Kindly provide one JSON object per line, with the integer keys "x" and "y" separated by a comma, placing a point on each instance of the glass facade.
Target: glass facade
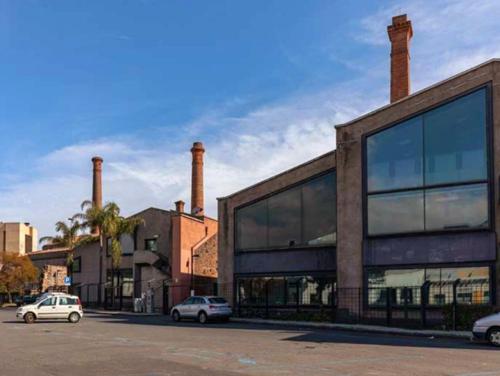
{"x": 429, "y": 173}
{"x": 304, "y": 215}
{"x": 285, "y": 290}
{"x": 474, "y": 286}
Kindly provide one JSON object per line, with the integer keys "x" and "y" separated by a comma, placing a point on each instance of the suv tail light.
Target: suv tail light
{"x": 212, "y": 307}
{"x": 79, "y": 304}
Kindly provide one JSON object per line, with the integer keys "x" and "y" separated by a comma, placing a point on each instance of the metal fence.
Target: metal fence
{"x": 453, "y": 305}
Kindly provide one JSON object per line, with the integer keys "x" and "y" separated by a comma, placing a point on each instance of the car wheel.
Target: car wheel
{"x": 176, "y": 316}
{"x": 74, "y": 318}
{"x": 202, "y": 317}
{"x": 494, "y": 337}
{"x": 29, "y": 318}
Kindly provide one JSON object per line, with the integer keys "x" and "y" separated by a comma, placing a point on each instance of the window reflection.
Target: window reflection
{"x": 456, "y": 208}
{"x": 405, "y": 284}
{"x": 451, "y": 139}
{"x": 395, "y": 157}
{"x": 300, "y": 216}
{"x": 283, "y": 291}
{"x": 396, "y": 212}
{"x": 455, "y": 141}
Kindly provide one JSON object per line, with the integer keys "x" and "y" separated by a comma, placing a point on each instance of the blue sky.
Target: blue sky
{"x": 261, "y": 83}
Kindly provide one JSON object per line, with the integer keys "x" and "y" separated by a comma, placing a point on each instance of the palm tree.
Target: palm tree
{"x": 108, "y": 224}
{"x": 68, "y": 237}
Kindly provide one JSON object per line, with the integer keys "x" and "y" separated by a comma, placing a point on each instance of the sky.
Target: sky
{"x": 261, "y": 83}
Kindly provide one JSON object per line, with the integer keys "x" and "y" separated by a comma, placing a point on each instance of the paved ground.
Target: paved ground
{"x": 103, "y": 345}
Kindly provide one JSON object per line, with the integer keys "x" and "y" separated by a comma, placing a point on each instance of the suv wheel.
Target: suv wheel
{"x": 202, "y": 317}
{"x": 176, "y": 316}
{"x": 29, "y": 318}
{"x": 494, "y": 337}
{"x": 74, "y": 318}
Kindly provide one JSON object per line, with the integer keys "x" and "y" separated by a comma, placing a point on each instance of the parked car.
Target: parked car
{"x": 52, "y": 306}
{"x": 488, "y": 329}
{"x": 29, "y": 299}
{"x": 202, "y": 308}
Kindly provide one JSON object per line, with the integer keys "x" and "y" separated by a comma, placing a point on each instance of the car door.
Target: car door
{"x": 198, "y": 305}
{"x": 63, "y": 308}
{"x": 47, "y": 309}
{"x": 185, "y": 307}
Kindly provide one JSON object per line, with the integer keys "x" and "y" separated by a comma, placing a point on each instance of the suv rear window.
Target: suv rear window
{"x": 217, "y": 300}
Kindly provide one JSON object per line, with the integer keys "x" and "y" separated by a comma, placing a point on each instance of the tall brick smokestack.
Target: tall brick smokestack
{"x": 400, "y": 33}
{"x": 197, "y": 205}
{"x": 97, "y": 182}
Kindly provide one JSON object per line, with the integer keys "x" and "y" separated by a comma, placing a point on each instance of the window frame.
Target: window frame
{"x": 489, "y": 181}
{"x": 79, "y": 259}
{"x": 237, "y": 250}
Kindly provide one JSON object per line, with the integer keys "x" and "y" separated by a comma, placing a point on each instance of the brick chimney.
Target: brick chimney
{"x": 97, "y": 182}
{"x": 197, "y": 179}
{"x": 179, "y": 206}
{"x": 96, "y": 186}
{"x": 400, "y": 33}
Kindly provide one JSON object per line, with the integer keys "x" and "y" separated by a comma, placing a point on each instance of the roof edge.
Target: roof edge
{"x": 277, "y": 175}
{"x": 439, "y": 83}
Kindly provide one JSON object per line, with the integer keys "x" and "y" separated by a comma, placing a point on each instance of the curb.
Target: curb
{"x": 360, "y": 328}
{"x": 120, "y": 313}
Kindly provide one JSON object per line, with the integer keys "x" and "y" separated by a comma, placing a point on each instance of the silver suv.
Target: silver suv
{"x": 52, "y": 306}
{"x": 202, "y": 308}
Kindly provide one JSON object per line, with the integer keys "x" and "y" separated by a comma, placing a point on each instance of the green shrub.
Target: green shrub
{"x": 466, "y": 315}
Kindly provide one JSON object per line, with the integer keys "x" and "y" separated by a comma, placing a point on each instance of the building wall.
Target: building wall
{"x": 53, "y": 277}
{"x": 188, "y": 233}
{"x": 227, "y": 205}
{"x": 350, "y": 167}
{"x": 18, "y": 238}
{"x": 89, "y": 262}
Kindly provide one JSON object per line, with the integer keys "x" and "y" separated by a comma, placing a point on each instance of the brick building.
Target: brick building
{"x": 170, "y": 254}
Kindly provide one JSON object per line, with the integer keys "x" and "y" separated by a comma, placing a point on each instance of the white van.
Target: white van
{"x": 52, "y": 306}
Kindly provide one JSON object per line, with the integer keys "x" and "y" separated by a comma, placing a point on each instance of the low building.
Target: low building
{"x": 412, "y": 196}
{"x": 277, "y": 238}
{"x": 18, "y": 238}
{"x": 52, "y": 264}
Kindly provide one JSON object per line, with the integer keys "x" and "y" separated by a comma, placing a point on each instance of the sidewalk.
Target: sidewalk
{"x": 360, "y": 328}
{"x": 119, "y": 313}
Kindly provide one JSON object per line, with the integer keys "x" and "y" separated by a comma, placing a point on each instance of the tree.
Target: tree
{"x": 15, "y": 272}
{"x": 68, "y": 236}
{"x": 108, "y": 223}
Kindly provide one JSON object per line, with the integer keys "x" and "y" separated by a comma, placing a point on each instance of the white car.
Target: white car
{"x": 202, "y": 308}
{"x": 488, "y": 329}
{"x": 52, "y": 306}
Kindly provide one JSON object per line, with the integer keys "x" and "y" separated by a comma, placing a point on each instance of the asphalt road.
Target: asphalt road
{"x": 103, "y": 345}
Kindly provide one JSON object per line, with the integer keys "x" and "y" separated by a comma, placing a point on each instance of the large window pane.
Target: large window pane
{"x": 252, "y": 226}
{"x": 462, "y": 207}
{"x": 455, "y": 141}
{"x": 284, "y": 219}
{"x": 396, "y": 213}
{"x": 276, "y": 291}
{"x": 319, "y": 214}
{"x": 395, "y": 157}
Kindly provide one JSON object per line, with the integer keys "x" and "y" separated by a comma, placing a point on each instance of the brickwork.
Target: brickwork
{"x": 53, "y": 277}
{"x": 205, "y": 263}
{"x": 400, "y": 33}
{"x": 197, "y": 198}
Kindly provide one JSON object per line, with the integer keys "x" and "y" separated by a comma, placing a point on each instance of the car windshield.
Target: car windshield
{"x": 217, "y": 300}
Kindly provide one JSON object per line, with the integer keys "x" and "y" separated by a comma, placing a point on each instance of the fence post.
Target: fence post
{"x": 388, "y": 306}
{"x": 423, "y": 304}
{"x": 238, "y": 291}
{"x": 121, "y": 296}
{"x": 360, "y": 304}
{"x": 405, "y": 302}
{"x": 298, "y": 298}
{"x": 455, "y": 304}
{"x": 267, "y": 299}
